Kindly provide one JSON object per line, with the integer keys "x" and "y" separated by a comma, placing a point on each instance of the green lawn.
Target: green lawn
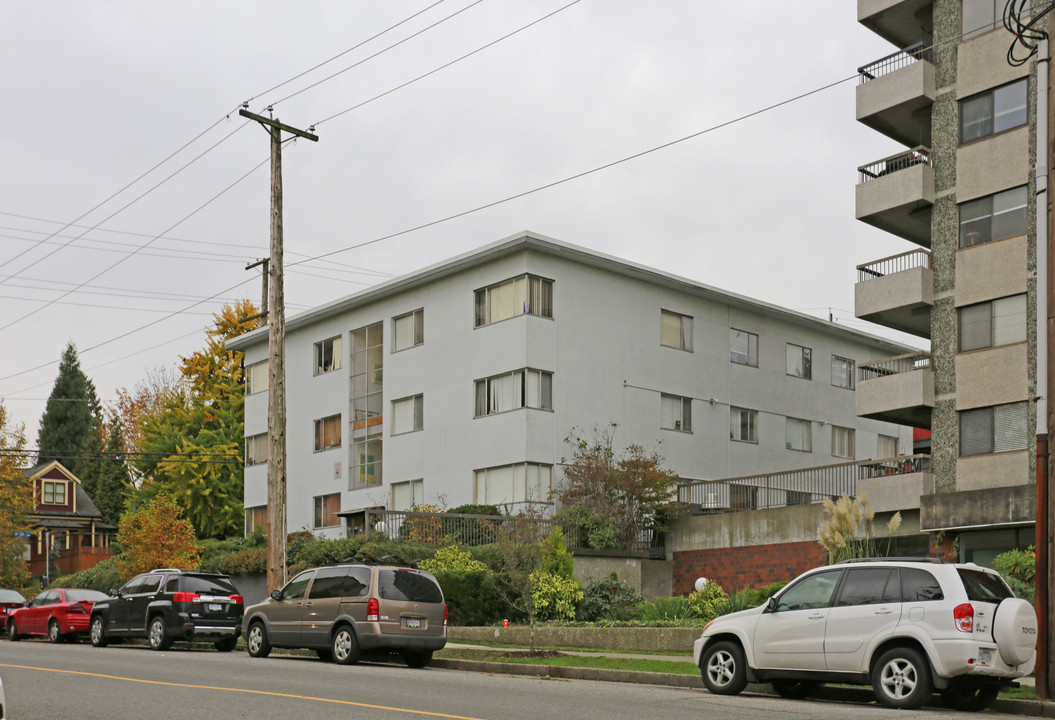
{"x": 585, "y": 661}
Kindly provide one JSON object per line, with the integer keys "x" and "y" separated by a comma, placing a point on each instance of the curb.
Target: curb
{"x": 862, "y": 695}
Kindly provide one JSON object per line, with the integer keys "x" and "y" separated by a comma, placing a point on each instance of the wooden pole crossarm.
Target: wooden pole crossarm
{"x": 281, "y": 126}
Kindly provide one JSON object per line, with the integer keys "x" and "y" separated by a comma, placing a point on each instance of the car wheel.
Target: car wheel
{"x": 970, "y": 697}
{"x": 256, "y": 641}
{"x": 795, "y": 689}
{"x": 344, "y": 646}
{"x": 97, "y": 633}
{"x": 723, "y": 668}
{"x": 417, "y": 658}
{"x": 159, "y": 639}
{"x": 901, "y": 679}
{"x": 227, "y": 644}
{"x": 324, "y": 654}
{"x": 54, "y": 632}
{"x": 12, "y": 631}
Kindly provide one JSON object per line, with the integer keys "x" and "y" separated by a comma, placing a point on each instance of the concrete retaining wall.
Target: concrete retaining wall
{"x": 672, "y": 640}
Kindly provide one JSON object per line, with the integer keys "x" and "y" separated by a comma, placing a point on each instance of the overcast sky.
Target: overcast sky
{"x": 97, "y": 93}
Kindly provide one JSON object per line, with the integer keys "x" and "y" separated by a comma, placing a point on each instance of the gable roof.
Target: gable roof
{"x": 592, "y": 258}
{"x": 86, "y": 507}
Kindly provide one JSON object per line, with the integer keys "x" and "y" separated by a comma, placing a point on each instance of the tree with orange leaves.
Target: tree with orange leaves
{"x": 16, "y": 501}
{"x": 156, "y": 535}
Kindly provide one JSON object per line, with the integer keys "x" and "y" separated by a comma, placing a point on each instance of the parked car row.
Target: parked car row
{"x": 340, "y": 611}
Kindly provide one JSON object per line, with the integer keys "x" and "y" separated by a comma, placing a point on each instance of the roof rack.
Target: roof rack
{"x": 935, "y": 561}
{"x": 166, "y": 570}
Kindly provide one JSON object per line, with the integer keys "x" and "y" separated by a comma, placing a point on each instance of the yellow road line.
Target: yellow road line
{"x": 242, "y": 690}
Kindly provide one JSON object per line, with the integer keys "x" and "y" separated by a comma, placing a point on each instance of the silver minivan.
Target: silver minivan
{"x": 343, "y": 611}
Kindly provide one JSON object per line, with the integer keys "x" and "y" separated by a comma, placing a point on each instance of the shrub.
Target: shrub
{"x": 104, "y": 577}
{"x": 707, "y": 601}
{"x": 593, "y": 531}
{"x": 668, "y": 610}
{"x": 472, "y": 599}
{"x": 555, "y": 556}
{"x": 452, "y": 558}
{"x": 555, "y": 596}
{"x": 608, "y": 599}
{"x": 239, "y": 562}
{"x": 1019, "y": 568}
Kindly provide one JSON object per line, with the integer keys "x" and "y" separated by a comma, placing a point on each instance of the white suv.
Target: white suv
{"x": 905, "y": 626}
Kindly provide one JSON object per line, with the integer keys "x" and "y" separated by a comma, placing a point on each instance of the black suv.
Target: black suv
{"x": 165, "y": 605}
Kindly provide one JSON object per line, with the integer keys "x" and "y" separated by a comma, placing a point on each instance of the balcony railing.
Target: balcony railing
{"x": 893, "y": 264}
{"x": 919, "y": 155}
{"x": 794, "y": 487}
{"x": 893, "y": 366}
{"x": 894, "y": 61}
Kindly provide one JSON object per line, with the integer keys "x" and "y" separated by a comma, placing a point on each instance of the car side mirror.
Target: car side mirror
{"x": 115, "y": 592}
{"x": 276, "y": 594}
{"x": 771, "y": 604}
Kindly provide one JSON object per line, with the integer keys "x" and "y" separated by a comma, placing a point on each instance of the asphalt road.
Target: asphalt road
{"x": 54, "y": 682}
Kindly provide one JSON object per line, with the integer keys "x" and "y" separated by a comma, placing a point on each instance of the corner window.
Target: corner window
{"x": 800, "y": 362}
{"x": 54, "y": 493}
{"x": 326, "y": 509}
{"x": 999, "y": 428}
{"x": 993, "y": 111}
{"x": 514, "y": 390}
{"x": 255, "y": 519}
{"x": 407, "y": 415}
{"x": 513, "y": 484}
{"x": 524, "y": 295}
{"x": 842, "y": 442}
{"x": 989, "y": 324}
{"x": 675, "y": 331}
{"x": 675, "y": 413}
{"x": 743, "y": 425}
{"x": 328, "y": 355}
{"x": 842, "y": 372}
{"x": 408, "y": 330}
{"x": 406, "y": 495}
{"x": 256, "y": 449}
{"x": 743, "y": 347}
{"x": 993, "y": 217}
{"x": 327, "y": 433}
{"x": 798, "y": 434}
{"x": 257, "y": 378}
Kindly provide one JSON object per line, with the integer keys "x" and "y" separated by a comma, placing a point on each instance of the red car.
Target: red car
{"x": 9, "y": 600}
{"x": 58, "y": 613}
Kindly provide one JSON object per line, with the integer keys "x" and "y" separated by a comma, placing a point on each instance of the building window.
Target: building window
{"x": 743, "y": 425}
{"x": 514, "y": 390}
{"x": 524, "y": 295}
{"x": 328, "y": 355}
{"x": 54, "y": 493}
{"x": 994, "y": 429}
{"x": 407, "y": 415}
{"x": 993, "y": 111}
{"x": 675, "y": 413}
{"x": 993, "y": 217}
{"x": 406, "y": 495}
{"x": 989, "y": 324}
{"x": 408, "y": 330}
{"x": 842, "y": 442}
{"x": 367, "y": 416}
{"x": 511, "y": 484}
{"x": 842, "y": 372}
{"x": 326, "y": 509}
{"x": 886, "y": 447}
{"x": 800, "y": 363}
{"x": 327, "y": 433}
{"x": 255, "y": 519}
{"x": 743, "y": 347}
{"x": 798, "y": 434}
{"x": 675, "y": 330}
{"x": 257, "y": 378}
{"x": 256, "y": 449}
{"x": 981, "y": 16}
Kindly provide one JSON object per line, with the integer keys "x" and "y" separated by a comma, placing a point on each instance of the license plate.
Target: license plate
{"x": 215, "y": 607}
{"x": 985, "y": 657}
{"x": 413, "y": 622}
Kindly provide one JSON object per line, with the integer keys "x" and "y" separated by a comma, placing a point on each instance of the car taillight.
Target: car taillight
{"x": 963, "y": 617}
{"x": 372, "y": 610}
{"x": 445, "y": 612}
{"x": 238, "y": 600}
{"x": 185, "y": 597}
{"x": 76, "y": 609}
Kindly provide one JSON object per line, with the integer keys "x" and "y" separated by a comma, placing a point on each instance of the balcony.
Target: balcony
{"x": 902, "y": 22}
{"x": 895, "y": 95}
{"x": 897, "y": 292}
{"x": 898, "y": 390}
{"x": 896, "y": 194}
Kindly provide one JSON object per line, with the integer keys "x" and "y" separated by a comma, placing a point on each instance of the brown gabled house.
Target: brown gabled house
{"x": 65, "y": 522}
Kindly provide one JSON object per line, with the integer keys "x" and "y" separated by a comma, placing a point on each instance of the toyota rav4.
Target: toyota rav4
{"x": 906, "y": 626}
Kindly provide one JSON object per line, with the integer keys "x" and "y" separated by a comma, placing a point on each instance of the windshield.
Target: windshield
{"x": 10, "y": 596}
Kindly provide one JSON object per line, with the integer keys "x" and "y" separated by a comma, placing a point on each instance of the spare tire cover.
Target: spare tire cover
{"x": 1015, "y": 630}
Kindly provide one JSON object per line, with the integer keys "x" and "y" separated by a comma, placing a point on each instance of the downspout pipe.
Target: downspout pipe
{"x": 1045, "y": 377}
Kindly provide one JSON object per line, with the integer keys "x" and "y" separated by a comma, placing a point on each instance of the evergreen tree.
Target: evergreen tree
{"x": 70, "y": 426}
{"x": 107, "y": 480}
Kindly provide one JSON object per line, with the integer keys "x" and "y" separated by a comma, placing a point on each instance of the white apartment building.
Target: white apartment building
{"x": 459, "y": 383}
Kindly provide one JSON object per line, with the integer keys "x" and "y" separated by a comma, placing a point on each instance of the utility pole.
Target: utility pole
{"x": 276, "y": 340}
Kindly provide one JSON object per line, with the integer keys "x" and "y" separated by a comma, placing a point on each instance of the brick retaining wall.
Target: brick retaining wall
{"x": 737, "y": 568}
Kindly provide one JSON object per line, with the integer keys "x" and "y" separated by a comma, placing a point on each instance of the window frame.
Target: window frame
{"x": 53, "y": 486}
{"x": 683, "y": 425}
{"x": 805, "y": 359}
{"x": 418, "y": 332}
{"x": 521, "y": 383}
{"x": 984, "y": 224}
{"x": 417, "y": 490}
{"x": 988, "y": 100}
{"x": 1008, "y": 323}
{"x": 481, "y": 496}
{"x": 323, "y": 510}
{"x": 537, "y": 295}
{"x": 1003, "y": 427}
{"x": 250, "y": 378}
{"x": 850, "y": 365}
{"x": 255, "y": 440}
{"x": 851, "y": 436}
{"x": 324, "y": 424}
{"x": 684, "y": 342}
{"x": 418, "y": 413}
{"x": 255, "y": 519}
{"x": 807, "y": 436}
{"x": 751, "y": 357}
{"x": 336, "y": 347}
{"x": 752, "y": 416}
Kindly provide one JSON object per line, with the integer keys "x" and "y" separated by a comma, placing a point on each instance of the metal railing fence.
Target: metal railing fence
{"x": 893, "y": 366}
{"x": 918, "y": 155}
{"x": 910, "y": 260}
{"x": 894, "y": 61}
